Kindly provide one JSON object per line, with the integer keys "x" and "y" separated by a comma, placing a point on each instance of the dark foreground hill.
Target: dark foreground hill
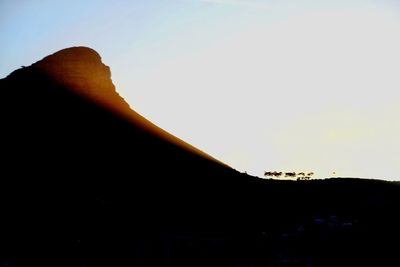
{"x": 86, "y": 181}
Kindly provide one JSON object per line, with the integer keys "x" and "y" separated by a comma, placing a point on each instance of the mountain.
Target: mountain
{"x": 74, "y": 154}
{"x": 66, "y": 107}
{"x": 87, "y": 181}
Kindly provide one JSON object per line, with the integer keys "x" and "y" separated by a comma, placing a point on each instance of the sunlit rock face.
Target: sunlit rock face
{"x": 81, "y": 69}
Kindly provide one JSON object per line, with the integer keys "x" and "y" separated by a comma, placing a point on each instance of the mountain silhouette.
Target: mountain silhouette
{"x": 72, "y": 149}
{"x": 69, "y": 101}
{"x": 87, "y": 181}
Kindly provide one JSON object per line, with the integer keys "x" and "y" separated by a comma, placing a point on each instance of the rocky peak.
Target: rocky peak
{"x": 81, "y": 70}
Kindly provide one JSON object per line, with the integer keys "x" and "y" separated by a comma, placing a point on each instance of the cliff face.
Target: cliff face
{"x": 81, "y": 70}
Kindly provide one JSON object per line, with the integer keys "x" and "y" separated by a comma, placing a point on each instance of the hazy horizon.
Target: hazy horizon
{"x": 260, "y": 85}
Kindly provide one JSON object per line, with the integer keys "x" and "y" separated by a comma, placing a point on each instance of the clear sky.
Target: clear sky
{"x": 262, "y": 85}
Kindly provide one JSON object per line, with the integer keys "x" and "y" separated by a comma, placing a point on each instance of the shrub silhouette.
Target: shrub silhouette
{"x": 300, "y": 175}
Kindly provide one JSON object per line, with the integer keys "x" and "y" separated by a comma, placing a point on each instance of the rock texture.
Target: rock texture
{"x": 81, "y": 70}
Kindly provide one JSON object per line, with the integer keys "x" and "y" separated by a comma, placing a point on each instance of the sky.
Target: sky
{"x": 262, "y": 85}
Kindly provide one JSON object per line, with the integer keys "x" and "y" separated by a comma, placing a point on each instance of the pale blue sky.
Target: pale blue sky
{"x": 217, "y": 72}
{"x": 30, "y": 29}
